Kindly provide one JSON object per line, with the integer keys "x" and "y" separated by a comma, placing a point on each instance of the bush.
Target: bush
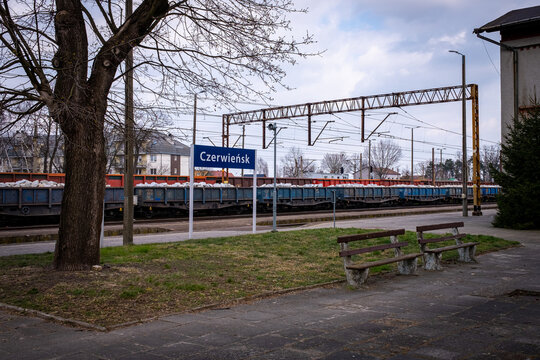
{"x": 519, "y": 202}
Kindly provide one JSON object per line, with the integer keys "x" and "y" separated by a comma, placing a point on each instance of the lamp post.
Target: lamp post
{"x": 464, "y": 126}
{"x": 273, "y": 127}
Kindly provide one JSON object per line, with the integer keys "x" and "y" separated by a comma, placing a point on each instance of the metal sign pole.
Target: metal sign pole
{"x": 219, "y": 157}
{"x": 334, "y": 202}
{"x": 255, "y": 195}
{"x": 191, "y": 178}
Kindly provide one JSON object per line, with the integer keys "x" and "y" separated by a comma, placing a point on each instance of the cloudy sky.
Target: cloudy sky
{"x": 381, "y": 46}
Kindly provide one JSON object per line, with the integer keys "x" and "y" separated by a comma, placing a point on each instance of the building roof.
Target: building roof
{"x": 391, "y": 172}
{"x": 165, "y": 144}
{"x": 513, "y": 18}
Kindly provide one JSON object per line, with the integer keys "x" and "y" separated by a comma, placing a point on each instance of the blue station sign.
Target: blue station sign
{"x": 221, "y": 157}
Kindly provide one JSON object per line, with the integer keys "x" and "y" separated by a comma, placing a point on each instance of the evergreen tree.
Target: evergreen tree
{"x": 519, "y": 203}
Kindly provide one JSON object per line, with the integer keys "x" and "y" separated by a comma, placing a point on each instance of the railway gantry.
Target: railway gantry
{"x": 363, "y": 103}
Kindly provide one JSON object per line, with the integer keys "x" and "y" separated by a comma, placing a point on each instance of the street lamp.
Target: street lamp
{"x": 273, "y": 127}
{"x": 464, "y": 126}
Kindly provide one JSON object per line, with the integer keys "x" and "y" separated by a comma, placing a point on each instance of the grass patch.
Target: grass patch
{"x": 143, "y": 281}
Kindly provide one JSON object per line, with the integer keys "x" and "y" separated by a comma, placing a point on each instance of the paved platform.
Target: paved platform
{"x": 489, "y": 310}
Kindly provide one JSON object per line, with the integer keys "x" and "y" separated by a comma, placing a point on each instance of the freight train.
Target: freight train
{"x": 117, "y": 180}
{"x": 172, "y": 199}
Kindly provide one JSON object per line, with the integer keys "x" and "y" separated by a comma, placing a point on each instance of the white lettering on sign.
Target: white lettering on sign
{"x": 238, "y": 159}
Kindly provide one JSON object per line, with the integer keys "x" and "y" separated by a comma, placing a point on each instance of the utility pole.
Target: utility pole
{"x": 128, "y": 147}
{"x": 433, "y": 165}
{"x": 412, "y": 151}
{"x": 195, "y": 119}
{"x": 440, "y": 163}
{"x": 369, "y": 160}
{"x": 360, "y": 166}
{"x": 412, "y": 156}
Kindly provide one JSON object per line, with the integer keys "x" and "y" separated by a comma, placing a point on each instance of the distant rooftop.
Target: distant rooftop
{"x": 166, "y": 144}
{"x": 513, "y": 18}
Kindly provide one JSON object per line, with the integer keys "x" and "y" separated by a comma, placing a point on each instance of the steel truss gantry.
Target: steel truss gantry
{"x": 363, "y": 103}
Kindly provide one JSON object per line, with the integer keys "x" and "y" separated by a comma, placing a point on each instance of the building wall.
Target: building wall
{"x": 175, "y": 164}
{"x": 529, "y": 78}
{"x": 165, "y": 164}
{"x": 159, "y": 164}
{"x": 184, "y": 165}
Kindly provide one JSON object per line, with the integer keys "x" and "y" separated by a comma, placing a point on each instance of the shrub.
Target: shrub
{"x": 519, "y": 202}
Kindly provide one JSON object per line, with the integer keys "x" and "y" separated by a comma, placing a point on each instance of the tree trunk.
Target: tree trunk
{"x": 82, "y": 204}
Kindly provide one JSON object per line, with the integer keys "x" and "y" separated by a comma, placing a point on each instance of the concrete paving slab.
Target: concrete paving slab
{"x": 463, "y": 312}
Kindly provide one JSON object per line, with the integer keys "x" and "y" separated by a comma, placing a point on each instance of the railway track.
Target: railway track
{"x": 261, "y": 216}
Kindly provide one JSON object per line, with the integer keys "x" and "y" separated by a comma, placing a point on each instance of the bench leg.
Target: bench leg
{"x": 356, "y": 277}
{"x": 408, "y": 267}
{"x": 432, "y": 261}
{"x": 466, "y": 254}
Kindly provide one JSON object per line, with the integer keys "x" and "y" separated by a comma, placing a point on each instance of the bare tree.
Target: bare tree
{"x": 357, "y": 164}
{"x": 295, "y": 165}
{"x": 67, "y": 56}
{"x": 384, "y": 155}
{"x": 336, "y": 163}
{"x": 262, "y": 166}
{"x": 490, "y": 156}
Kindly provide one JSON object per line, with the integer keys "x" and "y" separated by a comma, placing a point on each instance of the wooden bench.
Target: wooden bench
{"x": 357, "y": 273}
{"x": 433, "y": 256}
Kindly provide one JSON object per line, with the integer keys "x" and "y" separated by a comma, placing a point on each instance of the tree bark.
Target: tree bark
{"x": 77, "y": 247}
{"x": 80, "y": 104}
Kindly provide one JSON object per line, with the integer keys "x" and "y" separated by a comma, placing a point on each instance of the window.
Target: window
{"x": 175, "y": 171}
{"x": 153, "y": 158}
{"x": 174, "y": 158}
{"x": 153, "y": 171}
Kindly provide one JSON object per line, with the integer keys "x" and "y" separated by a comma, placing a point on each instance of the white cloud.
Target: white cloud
{"x": 457, "y": 39}
{"x": 374, "y": 47}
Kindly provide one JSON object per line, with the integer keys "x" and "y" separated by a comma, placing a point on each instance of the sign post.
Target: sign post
{"x": 254, "y": 230}
{"x": 221, "y": 157}
{"x": 191, "y": 182}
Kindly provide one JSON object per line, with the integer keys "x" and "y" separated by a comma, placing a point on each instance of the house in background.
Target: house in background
{"x": 520, "y": 61}
{"x": 157, "y": 154}
{"x": 23, "y": 152}
{"x": 389, "y": 174}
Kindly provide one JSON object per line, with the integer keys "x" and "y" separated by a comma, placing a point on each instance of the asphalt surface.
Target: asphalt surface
{"x": 489, "y": 310}
{"x": 178, "y": 231}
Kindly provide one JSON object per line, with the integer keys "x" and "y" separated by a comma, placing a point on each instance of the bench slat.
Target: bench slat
{"x": 372, "y": 235}
{"x": 439, "y": 226}
{"x": 372, "y": 248}
{"x": 452, "y": 247}
{"x": 444, "y": 238}
{"x": 383, "y": 262}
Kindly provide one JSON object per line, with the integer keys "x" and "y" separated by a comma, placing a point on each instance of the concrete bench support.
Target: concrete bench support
{"x": 357, "y": 274}
{"x": 433, "y": 256}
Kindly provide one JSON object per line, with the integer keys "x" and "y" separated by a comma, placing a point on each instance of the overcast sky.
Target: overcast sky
{"x": 381, "y": 46}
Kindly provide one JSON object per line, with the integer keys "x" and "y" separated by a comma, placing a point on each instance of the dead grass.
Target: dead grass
{"x": 144, "y": 281}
